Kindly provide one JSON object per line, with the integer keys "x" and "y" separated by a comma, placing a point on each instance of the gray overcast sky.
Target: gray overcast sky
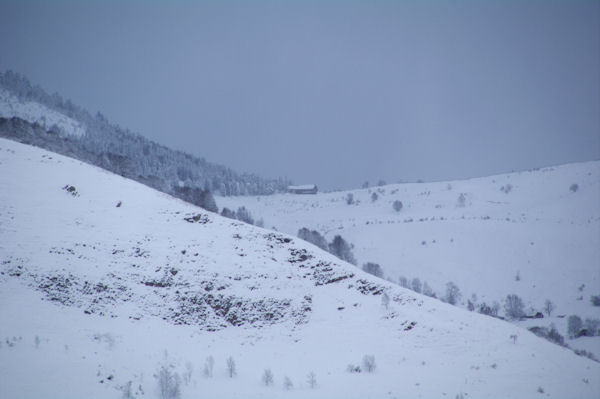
{"x": 330, "y": 92}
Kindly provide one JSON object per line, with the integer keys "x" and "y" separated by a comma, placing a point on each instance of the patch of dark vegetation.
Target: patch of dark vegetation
{"x": 71, "y": 190}
{"x": 201, "y": 218}
{"x": 368, "y": 288}
{"x": 299, "y": 255}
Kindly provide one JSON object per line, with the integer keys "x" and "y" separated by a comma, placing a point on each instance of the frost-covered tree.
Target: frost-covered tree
{"x": 208, "y": 366}
{"x": 415, "y": 285}
{"x": 514, "y": 307}
{"x": 311, "y": 379}
{"x": 267, "y": 377}
{"x": 452, "y": 293}
{"x": 373, "y": 268}
{"x": 548, "y": 307}
{"x": 369, "y": 363}
{"x": 231, "y": 370}
{"x": 574, "y": 325}
{"x": 340, "y": 248}
{"x": 427, "y": 290}
{"x": 244, "y": 215}
{"x": 314, "y": 237}
{"x": 403, "y": 281}
{"x": 349, "y": 198}
{"x": 385, "y": 300}
{"x": 168, "y": 383}
{"x": 397, "y": 205}
{"x": 287, "y": 383}
{"x": 228, "y": 213}
{"x": 461, "y": 201}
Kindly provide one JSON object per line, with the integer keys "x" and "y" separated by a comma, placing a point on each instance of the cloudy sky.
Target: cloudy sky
{"x": 328, "y": 92}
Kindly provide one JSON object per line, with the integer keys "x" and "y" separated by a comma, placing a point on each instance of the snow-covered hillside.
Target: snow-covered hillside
{"x": 103, "y": 280}
{"x": 34, "y": 112}
{"x": 542, "y": 226}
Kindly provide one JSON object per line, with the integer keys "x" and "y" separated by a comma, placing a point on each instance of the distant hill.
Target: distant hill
{"x": 30, "y": 115}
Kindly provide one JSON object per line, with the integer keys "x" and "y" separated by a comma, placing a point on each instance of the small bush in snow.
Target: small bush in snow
{"x": 595, "y": 299}
{"x": 506, "y": 189}
{"x": 374, "y": 197}
{"x": 231, "y": 371}
{"x": 267, "y": 377}
{"x": 369, "y": 363}
{"x": 373, "y": 268}
{"x": 452, "y": 293}
{"x": 287, "y": 383}
{"x": 168, "y": 383}
{"x": 353, "y": 368}
{"x": 350, "y": 199}
{"x": 397, "y": 205}
{"x": 548, "y": 307}
{"x": 574, "y": 187}
{"x": 574, "y": 325}
{"x": 513, "y": 307}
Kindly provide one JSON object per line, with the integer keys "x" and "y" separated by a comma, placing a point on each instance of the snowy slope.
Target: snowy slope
{"x": 34, "y": 112}
{"x": 95, "y": 295}
{"x": 529, "y": 223}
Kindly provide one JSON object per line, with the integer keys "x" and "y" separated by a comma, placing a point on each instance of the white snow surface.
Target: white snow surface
{"x": 93, "y": 296}
{"x": 528, "y": 223}
{"x": 34, "y": 112}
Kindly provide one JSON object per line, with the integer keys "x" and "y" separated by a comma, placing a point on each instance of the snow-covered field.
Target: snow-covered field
{"x": 94, "y": 296}
{"x": 34, "y": 112}
{"x": 535, "y": 225}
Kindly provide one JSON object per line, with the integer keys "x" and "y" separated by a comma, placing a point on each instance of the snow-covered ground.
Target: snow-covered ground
{"x": 94, "y": 296}
{"x": 535, "y": 225}
{"x": 34, "y": 112}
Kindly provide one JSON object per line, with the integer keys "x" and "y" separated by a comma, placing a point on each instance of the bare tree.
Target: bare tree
{"x": 311, "y": 379}
{"x": 231, "y": 371}
{"x": 513, "y": 307}
{"x": 452, "y": 293}
{"x": 548, "y": 307}
{"x": 168, "y": 383}
{"x": 369, "y": 363}
{"x": 416, "y": 285}
{"x": 385, "y": 300}
{"x": 208, "y": 367}
{"x": 267, "y": 377}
